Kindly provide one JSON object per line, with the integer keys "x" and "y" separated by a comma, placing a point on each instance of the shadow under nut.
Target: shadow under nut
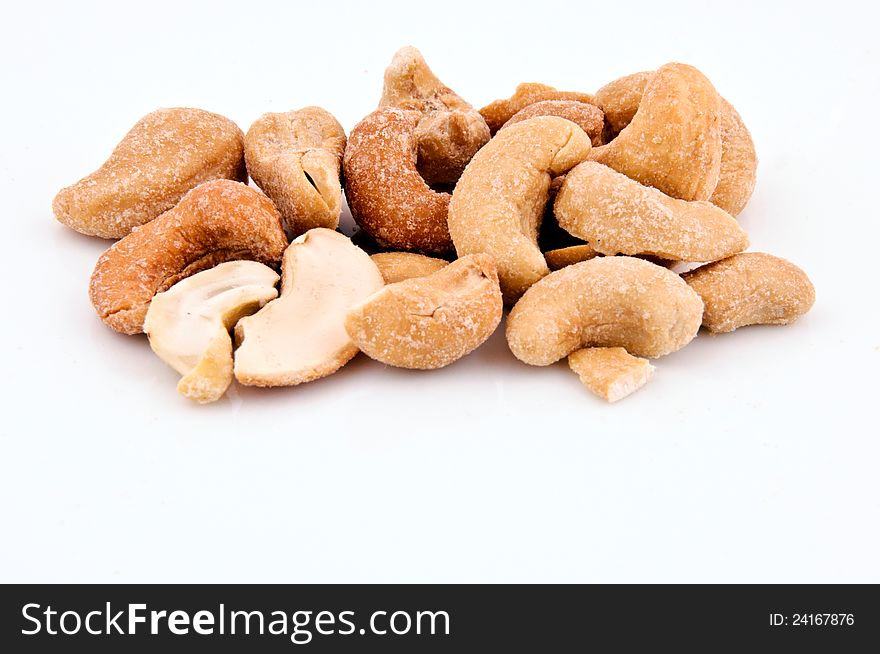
{"x": 296, "y": 158}
{"x": 166, "y": 153}
{"x": 673, "y": 142}
{"x": 752, "y": 288}
{"x": 498, "y": 203}
{"x": 604, "y": 302}
{"x": 215, "y": 222}
{"x": 388, "y": 197}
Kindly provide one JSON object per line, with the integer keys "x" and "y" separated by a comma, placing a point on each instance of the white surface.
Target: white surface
{"x": 749, "y": 457}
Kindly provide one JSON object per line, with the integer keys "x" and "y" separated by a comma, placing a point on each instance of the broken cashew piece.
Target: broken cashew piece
{"x": 499, "y": 112}
{"x": 450, "y": 130}
{"x": 612, "y": 373}
{"x": 605, "y": 302}
{"x": 751, "y": 288}
{"x": 617, "y": 215}
{"x": 430, "y": 322}
{"x": 399, "y": 266}
{"x": 188, "y": 325}
{"x": 301, "y": 336}
{"x": 562, "y": 257}
{"x": 215, "y": 222}
{"x": 296, "y": 157}
{"x": 388, "y": 197}
{"x": 673, "y": 142}
{"x": 498, "y": 203}
{"x": 166, "y": 153}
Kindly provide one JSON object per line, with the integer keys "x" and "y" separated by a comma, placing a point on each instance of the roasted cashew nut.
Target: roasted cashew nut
{"x": 604, "y": 302}
{"x": 499, "y": 112}
{"x": 399, "y": 266}
{"x": 450, "y": 130}
{"x": 295, "y": 157}
{"x": 498, "y": 203}
{"x": 167, "y": 153}
{"x": 188, "y": 325}
{"x": 215, "y": 222}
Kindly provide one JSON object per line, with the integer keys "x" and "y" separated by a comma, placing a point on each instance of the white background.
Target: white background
{"x": 751, "y": 456}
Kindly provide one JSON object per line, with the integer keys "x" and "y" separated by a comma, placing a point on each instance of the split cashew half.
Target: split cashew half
{"x": 188, "y": 325}
{"x": 301, "y": 336}
{"x": 498, "y": 203}
{"x": 605, "y": 302}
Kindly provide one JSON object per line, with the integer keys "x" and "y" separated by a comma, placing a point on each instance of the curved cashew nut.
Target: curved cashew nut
{"x": 295, "y": 157}
{"x": 450, "y": 130}
{"x": 166, "y": 153}
{"x": 586, "y": 116}
{"x": 301, "y": 336}
{"x": 387, "y": 195}
{"x": 751, "y": 288}
{"x": 429, "y": 322}
{"x": 215, "y": 222}
{"x": 674, "y": 140}
{"x": 499, "y": 112}
{"x": 606, "y": 302}
{"x": 617, "y": 215}
{"x": 499, "y": 201}
{"x": 188, "y": 325}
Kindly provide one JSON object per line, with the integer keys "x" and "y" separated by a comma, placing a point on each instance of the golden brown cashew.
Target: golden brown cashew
{"x": 295, "y": 157}
{"x": 499, "y": 201}
{"x": 617, "y": 215}
{"x": 673, "y": 142}
{"x": 610, "y": 372}
{"x": 751, "y": 288}
{"x": 167, "y": 153}
{"x": 399, "y": 266}
{"x": 586, "y": 116}
{"x": 387, "y": 195}
{"x": 499, "y": 112}
{"x": 215, "y": 222}
{"x": 188, "y": 325}
{"x": 450, "y": 130}
{"x": 605, "y": 302}
{"x": 736, "y": 179}
{"x": 429, "y": 322}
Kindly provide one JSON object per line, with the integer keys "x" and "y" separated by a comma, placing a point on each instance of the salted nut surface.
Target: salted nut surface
{"x": 167, "y": 153}
{"x": 576, "y": 210}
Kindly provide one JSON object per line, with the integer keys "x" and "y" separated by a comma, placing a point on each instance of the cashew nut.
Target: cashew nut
{"x": 398, "y": 266}
{"x": 562, "y": 257}
{"x": 166, "y": 153}
{"x": 429, "y": 322}
{"x": 736, "y": 179}
{"x": 586, "y": 116}
{"x": 386, "y": 194}
{"x": 606, "y": 302}
{"x": 499, "y": 112}
{"x": 295, "y": 157}
{"x": 673, "y": 142}
{"x": 610, "y": 372}
{"x": 188, "y": 325}
{"x": 215, "y": 222}
{"x": 617, "y": 215}
{"x": 499, "y": 201}
{"x": 751, "y": 288}
{"x": 301, "y": 336}
{"x": 450, "y": 130}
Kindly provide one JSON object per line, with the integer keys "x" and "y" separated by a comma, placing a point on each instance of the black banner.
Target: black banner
{"x": 418, "y": 618}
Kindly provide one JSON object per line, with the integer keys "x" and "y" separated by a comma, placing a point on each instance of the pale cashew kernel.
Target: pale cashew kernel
{"x": 301, "y": 336}
{"x": 188, "y": 325}
{"x": 751, "y": 288}
{"x": 606, "y": 302}
{"x": 617, "y": 215}
{"x": 498, "y": 203}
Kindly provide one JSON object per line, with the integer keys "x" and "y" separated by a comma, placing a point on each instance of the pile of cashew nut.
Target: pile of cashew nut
{"x": 572, "y": 209}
